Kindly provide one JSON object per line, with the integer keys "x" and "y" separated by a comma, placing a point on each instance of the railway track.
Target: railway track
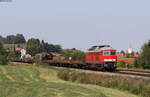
{"x": 144, "y": 74}
{"x": 126, "y": 73}
{"x": 122, "y": 72}
{"x": 131, "y": 73}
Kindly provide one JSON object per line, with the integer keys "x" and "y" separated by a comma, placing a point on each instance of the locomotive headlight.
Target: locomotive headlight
{"x": 109, "y": 59}
{"x": 114, "y": 59}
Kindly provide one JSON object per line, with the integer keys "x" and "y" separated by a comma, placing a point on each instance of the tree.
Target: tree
{"x": 55, "y": 48}
{"x": 1, "y": 46}
{"x": 45, "y": 47}
{"x": 122, "y": 52}
{"x": 122, "y": 64}
{"x": 58, "y": 48}
{"x": 10, "y": 39}
{"x": 3, "y": 55}
{"x": 19, "y": 39}
{"x": 74, "y": 54}
{"x": 2, "y": 39}
{"x": 144, "y": 59}
{"x": 2, "y": 51}
{"x": 33, "y": 46}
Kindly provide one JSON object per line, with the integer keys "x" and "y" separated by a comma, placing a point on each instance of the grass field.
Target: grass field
{"x": 31, "y": 81}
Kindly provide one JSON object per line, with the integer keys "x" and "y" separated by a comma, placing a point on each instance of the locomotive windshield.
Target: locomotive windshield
{"x": 109, "y": 53}
{"x": 106, "y": 53}
{"x": 113, "y": 53}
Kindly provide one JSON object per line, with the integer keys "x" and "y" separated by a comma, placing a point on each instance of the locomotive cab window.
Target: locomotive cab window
{"x": 106, "y": 53}
{"x": 113, "y": 53}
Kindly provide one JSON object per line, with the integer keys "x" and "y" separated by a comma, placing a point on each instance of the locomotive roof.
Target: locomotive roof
{"x": 99, "y": 48}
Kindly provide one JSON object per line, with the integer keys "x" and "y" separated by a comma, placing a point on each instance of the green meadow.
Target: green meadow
{"x": 32, "y": 81}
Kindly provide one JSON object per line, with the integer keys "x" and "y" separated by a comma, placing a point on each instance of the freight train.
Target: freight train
{"x": 97, "y": 57}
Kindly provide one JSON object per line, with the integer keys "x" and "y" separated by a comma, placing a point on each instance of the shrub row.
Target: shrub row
{"x": 136, "y": 86}
{"x": 123, "y": 64}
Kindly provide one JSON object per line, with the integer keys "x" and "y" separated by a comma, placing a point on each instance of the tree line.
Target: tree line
{"x": 13, "y": 39}
{"x": 33, "y": 47}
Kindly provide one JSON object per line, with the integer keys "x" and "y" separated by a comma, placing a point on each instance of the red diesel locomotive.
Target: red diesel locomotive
{"x": 102, "y": 57}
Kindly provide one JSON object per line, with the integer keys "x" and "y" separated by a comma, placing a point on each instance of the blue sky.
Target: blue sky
{"x": 79, "y": 23}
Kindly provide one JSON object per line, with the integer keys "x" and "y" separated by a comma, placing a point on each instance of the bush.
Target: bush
{"x": 64, "y": 75}
{"x": 74, "y": 54}
{"x": 3, "y": 60}
{"x": 122, "y": 64}
{"x": 144, "y": 59}
{"x": 73, "y": 77}
{"x": 140, "y": 62}
{"x": 130, "y": 65}
{"x": 146, "y": 92}
{"x": 3, "y": 55}
{"x": 137, "y": 63}
{"x": 83, "y": 78}
{"x": 135, "y": 86}
{"x": 13, "y": 54}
